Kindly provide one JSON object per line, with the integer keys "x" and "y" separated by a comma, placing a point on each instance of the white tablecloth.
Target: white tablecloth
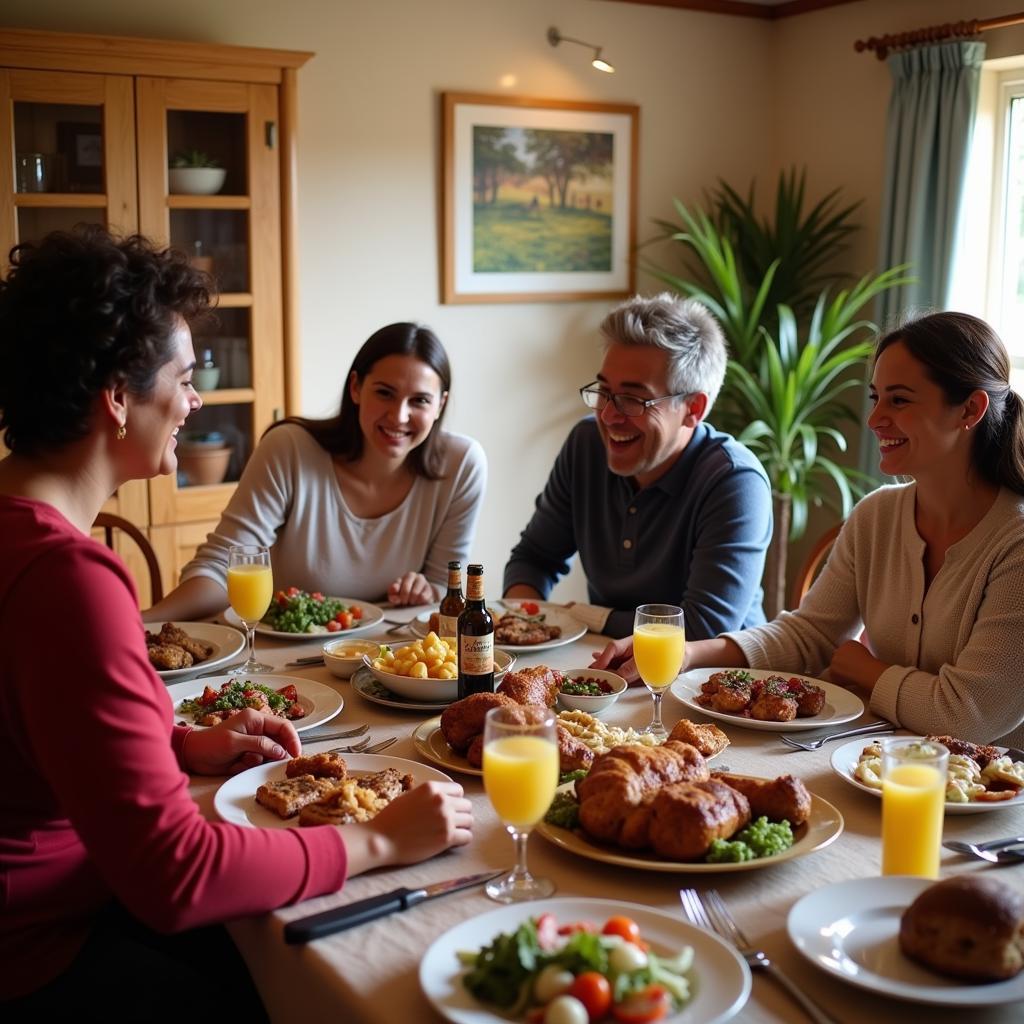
{"x": 369, "y": 974}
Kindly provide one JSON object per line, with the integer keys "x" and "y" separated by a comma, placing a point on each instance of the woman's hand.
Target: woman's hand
{"x": 427, "y": 820}
{"x": 240, "y": 742}
{"x": 412, "y": 588}
{"x": 854, "y": 665}
{"x": 618, "y": 657}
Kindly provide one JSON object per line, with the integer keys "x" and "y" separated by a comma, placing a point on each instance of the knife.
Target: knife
{"x": 316, "y": 926}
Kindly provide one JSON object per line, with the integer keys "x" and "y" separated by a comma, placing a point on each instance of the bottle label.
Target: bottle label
{"x": 476, "y": 655}
{"x": 455, "y": 579}
{"x": 448, "y": 625}
{"x": 475, "y": 588}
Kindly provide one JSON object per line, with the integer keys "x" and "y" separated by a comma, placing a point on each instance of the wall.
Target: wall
{"x": 719, "y": 96}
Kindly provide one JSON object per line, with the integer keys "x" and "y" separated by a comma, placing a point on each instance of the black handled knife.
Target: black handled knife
{"x": 316, "y": 926}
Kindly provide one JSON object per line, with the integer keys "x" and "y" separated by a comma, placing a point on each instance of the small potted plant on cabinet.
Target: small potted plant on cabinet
{"x": 196, "y": 173}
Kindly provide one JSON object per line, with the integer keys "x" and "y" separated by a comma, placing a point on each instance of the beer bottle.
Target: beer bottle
{"x": 452, "y": 603}
{"x": 476, "y": 638}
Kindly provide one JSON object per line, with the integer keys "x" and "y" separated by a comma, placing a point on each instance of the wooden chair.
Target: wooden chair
{"x": 108, "y": 523}
{"x": 812, "y": 565}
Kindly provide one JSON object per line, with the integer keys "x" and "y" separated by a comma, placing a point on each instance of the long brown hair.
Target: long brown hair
{"x": 962, "y": 354}
{"x": 341, "y": 435}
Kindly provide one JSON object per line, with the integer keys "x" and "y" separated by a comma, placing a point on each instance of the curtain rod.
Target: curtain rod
{"x": 935, "y": 34}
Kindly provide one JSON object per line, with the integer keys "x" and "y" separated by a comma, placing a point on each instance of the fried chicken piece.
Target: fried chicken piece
{"x": 172, "y": 634}
{"x": 773, "y": 707}
{"x": 726, "y": 692}
{"x": 783, "y": 798}
{"x": 685, "y": 818}
{"x": 536, "y": 685}
{"x": 327, "y": 765}
{"x": 167, "y": 657}
{"x": 517, "y": 632}
{"x": 810, "y": 699}
{"x": 977, "y": 752}
{"x": 708, "y": 739}
{"x": 463, "y": 720}
{"x": 625, "y": 779}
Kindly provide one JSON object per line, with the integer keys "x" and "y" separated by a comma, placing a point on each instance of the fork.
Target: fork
{"x": 363, "y": 746}
{"x": 713, "y": 915}
{"x": 874, "y": 727}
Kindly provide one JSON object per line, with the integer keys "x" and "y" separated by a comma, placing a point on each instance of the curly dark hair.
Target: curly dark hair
{"x": 81, "y": 311}
{"x": 341, "y": 435}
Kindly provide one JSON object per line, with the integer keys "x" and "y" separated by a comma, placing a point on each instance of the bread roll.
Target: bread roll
{"x": 968, "y": 926}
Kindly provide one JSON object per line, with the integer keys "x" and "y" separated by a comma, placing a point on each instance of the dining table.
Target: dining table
{"x": 369, "y": 974}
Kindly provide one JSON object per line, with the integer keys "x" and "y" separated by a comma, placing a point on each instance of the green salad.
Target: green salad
{"x": 296, "y": 611}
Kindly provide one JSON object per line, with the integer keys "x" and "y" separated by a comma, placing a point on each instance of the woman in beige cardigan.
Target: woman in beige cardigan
{"x": 932, "y": 570}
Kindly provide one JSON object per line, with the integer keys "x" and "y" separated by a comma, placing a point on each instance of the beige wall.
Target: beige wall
{"x": 719, "y": 96}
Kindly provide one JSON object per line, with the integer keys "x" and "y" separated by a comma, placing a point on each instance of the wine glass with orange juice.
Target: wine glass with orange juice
{"x": 520, "y": 777}
{"x": 250, "y": 589}
{"x": 659, "y": 645}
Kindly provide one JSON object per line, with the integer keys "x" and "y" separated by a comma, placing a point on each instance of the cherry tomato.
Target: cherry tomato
{"x": 317, "y": 596}
{"x": 289, "y": 692}
{"x": 547, "y": 932}
{"x": 282, "y": 598}
{"x": 592, "y": 989}
{"x": 344, "y": 619}
{"x": 530, "y": 607}
{"x": 650, "y": 1003}
{"x": 333, "y": 626}
{"x": 578, "y": 926}
{"x": 293, "y": 591}
{"x": 355, "y": 611}
{"x": 625, "y": 927}
{"x": 209, "y": 695}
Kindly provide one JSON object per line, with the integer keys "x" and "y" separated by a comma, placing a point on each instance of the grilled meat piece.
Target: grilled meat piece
{"x": 708, "y": 739}
{"x": 783, "y": 798}
{"x": 516, "y": 632}
{"x": 687, "y": 817}
{"x": 172, "y": 634}
{"x": 977, "y": 752}
{"x": 463, "y": 720}
{"x": 537, "y": 685}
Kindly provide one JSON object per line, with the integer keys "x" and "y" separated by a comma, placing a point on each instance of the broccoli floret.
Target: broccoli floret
{"x": 564, "y": 811}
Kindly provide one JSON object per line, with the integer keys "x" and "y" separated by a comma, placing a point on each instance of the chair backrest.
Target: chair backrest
{"x": 813, "y": 564}
{"x": 108, "y": 523}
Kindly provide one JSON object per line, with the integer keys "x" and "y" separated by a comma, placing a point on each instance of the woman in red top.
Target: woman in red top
{"x": 103, "y": 853}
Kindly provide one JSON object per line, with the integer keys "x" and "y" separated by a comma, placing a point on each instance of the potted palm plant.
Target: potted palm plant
{"x": 796, "y": 349}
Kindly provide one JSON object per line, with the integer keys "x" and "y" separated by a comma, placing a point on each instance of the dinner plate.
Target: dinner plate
{"x": 235, "y": 801}
{"x": 554, "y": 615}
{"x": 840, "y": 705}
{"x": 820, "y": 830}
{"x": 372, "y": 617}
{"x": 321, "y": 702}
{"x": 721, "y": 978}
{"x": 366, "y": 685}
{"x": 851, "y": 931}
{"x": 227, "y": 643}
{"x": 844, "y": 760}
{"x": 429, "y": 742}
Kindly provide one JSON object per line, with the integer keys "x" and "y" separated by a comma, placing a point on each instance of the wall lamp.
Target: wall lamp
{"x": 555, "y": 37}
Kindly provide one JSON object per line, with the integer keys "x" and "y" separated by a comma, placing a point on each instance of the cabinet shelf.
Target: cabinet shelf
{"x": 179, "y": 201}
{"x": 228, "y": 396}
{"x": 89, "y": 200}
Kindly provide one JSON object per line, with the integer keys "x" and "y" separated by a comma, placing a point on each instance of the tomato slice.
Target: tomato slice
{"x": 592, "y": 989}
{"x": 625, "y": 927}
{"x": 547, "y": 932}
{"x": 289, "y": 692}
{"x": 293, "y": 591}
{"x": 355, "y": 611}
{"x": 344, "y": 619}
{"x": 650, "y": 1003}
{"x": 317, "y": 596}
{"x": 577, "y": 926}
{"x": 530, "y": 607}
{"x": 209, "y": 695}
{"x": 333, "y": 626}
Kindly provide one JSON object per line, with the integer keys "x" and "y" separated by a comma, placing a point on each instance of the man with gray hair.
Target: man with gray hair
{"x": 660, "y": 506}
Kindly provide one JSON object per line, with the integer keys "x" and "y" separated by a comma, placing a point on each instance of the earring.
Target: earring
{"x": 122, "y": 432}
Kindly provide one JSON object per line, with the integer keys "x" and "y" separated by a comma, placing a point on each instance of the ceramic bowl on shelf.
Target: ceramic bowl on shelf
{"x": 433, "y": 689}
{"x": 204, "y": 463}
{"x": 344, "y": 655}
{"x": 196, "y": 181}
{"x": 205, "y": 378}
{"x": 595, "y": 704}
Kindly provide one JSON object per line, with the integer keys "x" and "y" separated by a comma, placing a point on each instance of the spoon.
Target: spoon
{"x": 999, "y": 851}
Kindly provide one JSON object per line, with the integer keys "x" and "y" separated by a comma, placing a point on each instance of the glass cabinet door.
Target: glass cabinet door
{"x": 67, "y": 157}
{"x": 209, "y": 185}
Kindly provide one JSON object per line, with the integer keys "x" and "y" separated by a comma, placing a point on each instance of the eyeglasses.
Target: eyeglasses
{"x": 596, "y": 397}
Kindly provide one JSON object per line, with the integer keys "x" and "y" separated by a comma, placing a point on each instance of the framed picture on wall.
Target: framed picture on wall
{"x": 81, "y": 146}
{"x": 539, "y": 199}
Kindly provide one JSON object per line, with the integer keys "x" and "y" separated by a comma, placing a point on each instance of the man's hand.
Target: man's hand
{"x": 854, "y": 665}
{"x": 240, "y": 742}
{"x": 618, "y": 657}
{"x": 412, "y": 588}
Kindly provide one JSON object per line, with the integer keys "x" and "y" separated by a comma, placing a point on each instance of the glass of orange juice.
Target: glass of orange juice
{"x": 659, "y": 644}
{"x": 250, "y": 588}
{"x": 520, "y": 776}
{"x": 913, "y": 803}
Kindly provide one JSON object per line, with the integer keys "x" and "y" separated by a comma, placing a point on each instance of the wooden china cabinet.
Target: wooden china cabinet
{"x": 89, "y": 126}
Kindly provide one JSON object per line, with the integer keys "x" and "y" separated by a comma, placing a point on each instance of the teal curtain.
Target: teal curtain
{"x": 931, "y": 117}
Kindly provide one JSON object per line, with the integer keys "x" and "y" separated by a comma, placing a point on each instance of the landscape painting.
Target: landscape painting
{"x": 539, "y": 199}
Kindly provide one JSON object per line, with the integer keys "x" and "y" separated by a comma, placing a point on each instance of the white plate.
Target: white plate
{"x": 321, "y": 702}
{"x": 844, "y": 760}
{"x": 364, "y": 683}
{"x": 851, "y": 931}
{"x": 823, "y": 828}
{"x": 227, "y": 643}
{"x": 372, "y": 617}
{"x": 235, "y": 801}
{"x": 554, "y": 615}
{"x": 840, "y": 705}
{"x": 721, "y": 978}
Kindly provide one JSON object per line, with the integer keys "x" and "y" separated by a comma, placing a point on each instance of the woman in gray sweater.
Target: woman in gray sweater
{"x": 371, "y": 503}
{"x": 931, "y": 571}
